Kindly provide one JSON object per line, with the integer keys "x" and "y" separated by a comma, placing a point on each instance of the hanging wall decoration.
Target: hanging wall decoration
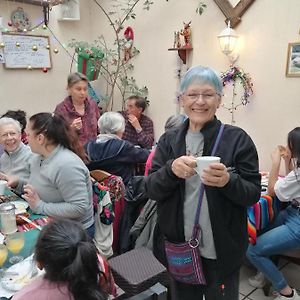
{"x": 19, "y": 20}
{"x": 89, "y": 62}
{"x": 128, "y": 43}
{"x": 234, "y": 76}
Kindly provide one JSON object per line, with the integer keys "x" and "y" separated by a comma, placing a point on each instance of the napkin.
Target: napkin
{"x": 11, "y": 283}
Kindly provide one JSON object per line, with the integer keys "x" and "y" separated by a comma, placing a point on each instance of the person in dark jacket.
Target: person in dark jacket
{"x": 174, "y": 184}
{"x": 112, "y": 154}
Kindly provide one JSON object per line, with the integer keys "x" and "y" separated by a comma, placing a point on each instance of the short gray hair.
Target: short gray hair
{"x": 174, "y": 121}
{"x": 111, "y": 122}
{"x": 73, "y": 78}
{"x": 10, "y": 121}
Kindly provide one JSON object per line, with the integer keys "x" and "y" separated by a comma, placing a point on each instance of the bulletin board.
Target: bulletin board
{"x": 19, "y": 53}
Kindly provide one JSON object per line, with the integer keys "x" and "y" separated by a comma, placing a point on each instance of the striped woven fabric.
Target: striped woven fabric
{"x": 260, "y": 215}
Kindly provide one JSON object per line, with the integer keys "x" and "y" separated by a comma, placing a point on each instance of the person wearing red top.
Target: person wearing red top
{"x": 80, "y": 112}
{"x": 138, "y": 127}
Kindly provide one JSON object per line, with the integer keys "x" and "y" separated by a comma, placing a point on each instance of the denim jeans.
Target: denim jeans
{"x": 91, "y": 231}
{"x": 282, "y": 235}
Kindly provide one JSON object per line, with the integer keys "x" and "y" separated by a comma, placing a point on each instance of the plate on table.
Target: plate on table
{"x": 19, "y": 275}
{"x": 20, "y": 205}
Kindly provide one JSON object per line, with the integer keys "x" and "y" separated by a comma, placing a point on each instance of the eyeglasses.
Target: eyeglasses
{"x": 205, "y": 96}
{"x": 9, "y": 134}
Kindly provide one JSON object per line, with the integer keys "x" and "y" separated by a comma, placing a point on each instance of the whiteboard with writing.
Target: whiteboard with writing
{"x": 19, "y": 51}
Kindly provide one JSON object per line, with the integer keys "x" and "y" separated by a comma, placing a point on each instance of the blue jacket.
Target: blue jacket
{"x": 115, "y": 156}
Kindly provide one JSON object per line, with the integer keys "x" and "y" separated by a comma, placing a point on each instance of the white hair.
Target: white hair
{"x": 111, "y": 122}
{"x": 9, "y": 121}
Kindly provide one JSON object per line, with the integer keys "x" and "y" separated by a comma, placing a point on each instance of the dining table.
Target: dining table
{"x": 30, "y": 233}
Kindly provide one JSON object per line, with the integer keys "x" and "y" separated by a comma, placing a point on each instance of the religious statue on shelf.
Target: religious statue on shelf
{"x": 187, "y": 34}
{"x": 129, "y": 36}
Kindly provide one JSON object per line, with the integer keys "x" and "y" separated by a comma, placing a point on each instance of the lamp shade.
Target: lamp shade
{"x": 228, "y": 40}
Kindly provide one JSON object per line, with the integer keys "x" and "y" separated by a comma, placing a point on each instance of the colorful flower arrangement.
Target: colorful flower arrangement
{"x": 234, "y": 73}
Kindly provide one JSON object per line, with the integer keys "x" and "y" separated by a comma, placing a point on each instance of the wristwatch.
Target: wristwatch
{"x": 139, "y": 130}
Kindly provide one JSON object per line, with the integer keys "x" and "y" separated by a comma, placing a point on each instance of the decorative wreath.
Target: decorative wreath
{"x": 234, "y": 73}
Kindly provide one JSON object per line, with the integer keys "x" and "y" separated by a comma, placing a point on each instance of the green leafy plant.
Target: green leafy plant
{"x": 115, "y": 70}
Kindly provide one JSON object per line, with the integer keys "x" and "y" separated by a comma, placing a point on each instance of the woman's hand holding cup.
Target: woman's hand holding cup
{"x": 184, "y": 166}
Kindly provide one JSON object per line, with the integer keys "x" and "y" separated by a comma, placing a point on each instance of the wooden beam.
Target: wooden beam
{"x": 233, "y": 14}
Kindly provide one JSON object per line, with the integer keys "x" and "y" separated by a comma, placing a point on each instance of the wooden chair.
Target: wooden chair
{"x": 99, "y": 175}
{"x": 117, "y": 191}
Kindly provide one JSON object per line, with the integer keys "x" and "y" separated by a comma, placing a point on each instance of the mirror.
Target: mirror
{"x": 233, "y": 10}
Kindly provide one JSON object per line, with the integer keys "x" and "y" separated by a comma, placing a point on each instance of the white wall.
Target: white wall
{"x": 35, "y": 91}
{"x": 265, "y": 31}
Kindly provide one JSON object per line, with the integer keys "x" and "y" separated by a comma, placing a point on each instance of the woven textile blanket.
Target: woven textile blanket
{"x": 260, "y": 215}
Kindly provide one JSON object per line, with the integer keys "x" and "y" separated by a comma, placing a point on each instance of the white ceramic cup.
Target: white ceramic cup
{"x": 204, "y": 161}
{"x": 3, "y": 184}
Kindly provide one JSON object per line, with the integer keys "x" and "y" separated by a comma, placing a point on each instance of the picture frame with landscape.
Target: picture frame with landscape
{"x": 293, "y": 60}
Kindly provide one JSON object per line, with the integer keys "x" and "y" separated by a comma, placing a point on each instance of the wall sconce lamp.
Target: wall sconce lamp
{"x": 228, "y": 41}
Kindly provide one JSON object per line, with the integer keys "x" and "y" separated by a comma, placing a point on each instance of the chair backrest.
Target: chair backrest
{"x": 99, "y": 175}
{"x": 116, "y": 189}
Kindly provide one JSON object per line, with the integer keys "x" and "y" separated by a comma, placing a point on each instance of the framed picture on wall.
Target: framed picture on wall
{"x": 293, "y": 60}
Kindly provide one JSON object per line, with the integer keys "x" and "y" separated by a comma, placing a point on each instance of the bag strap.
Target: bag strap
{"x": 196, "y": 227}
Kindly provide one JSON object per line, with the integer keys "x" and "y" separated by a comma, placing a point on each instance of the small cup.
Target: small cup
{"x": 3, "y": 184}
{"x": 204, "y": 161}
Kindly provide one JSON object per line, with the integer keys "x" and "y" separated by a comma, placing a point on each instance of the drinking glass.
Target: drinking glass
{"x": 3, "y": 254}
{"x": 3, "y": 257}
{"x": 15, "y": 243}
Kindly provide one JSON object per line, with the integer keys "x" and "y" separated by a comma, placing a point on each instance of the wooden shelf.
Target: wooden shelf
{"x": 33, "y": 2}
{"x": 182, "y": 52}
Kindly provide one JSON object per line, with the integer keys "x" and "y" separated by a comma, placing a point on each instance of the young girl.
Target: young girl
{"x": 283, "y": 234}
{"x": 70, "y": 261}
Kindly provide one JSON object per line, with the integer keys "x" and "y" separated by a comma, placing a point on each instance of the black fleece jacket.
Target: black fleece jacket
{"x": 227, "y": 205}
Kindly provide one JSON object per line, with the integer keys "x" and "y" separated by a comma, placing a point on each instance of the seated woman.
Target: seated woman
{"x": 112, "y": 154}
{"x": 70, "y": 261}
{"x": 16, "y": 156}
{"x": 283, "y": 233}
{"x": 59, "y": 184}
{"x": 20, "y": 116}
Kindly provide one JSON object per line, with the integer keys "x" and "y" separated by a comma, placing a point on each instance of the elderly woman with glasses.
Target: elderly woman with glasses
{"x": 174, "y": 184}
{"x": 59, "y": 184}
{"x": 16, "y": 157}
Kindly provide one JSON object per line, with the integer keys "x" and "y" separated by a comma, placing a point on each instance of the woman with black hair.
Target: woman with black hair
{"x": 284, "y": 232}
{"x": 70, "y": 261}
{"x": 59, "y": 184}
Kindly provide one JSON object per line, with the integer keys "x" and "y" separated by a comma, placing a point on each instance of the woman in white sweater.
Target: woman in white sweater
{"x": 59, "y": 185}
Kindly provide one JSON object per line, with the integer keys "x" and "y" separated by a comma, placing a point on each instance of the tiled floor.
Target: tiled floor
{"x": 290, "y": 270}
